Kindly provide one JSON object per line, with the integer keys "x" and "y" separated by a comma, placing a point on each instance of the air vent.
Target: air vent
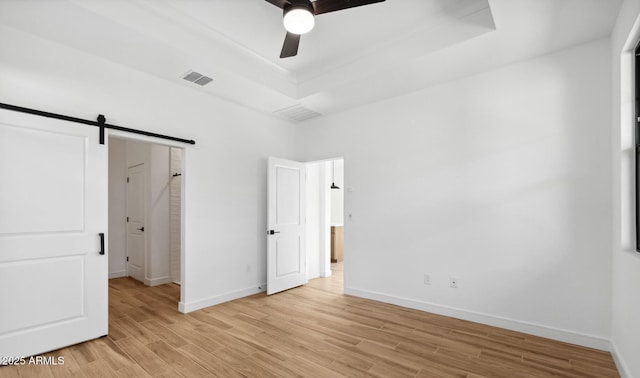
{"x": 197, "y": 78}
{"x": 297, "y": 113}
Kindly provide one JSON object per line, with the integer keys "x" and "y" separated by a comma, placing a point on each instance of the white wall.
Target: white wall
{"x": 175, "y": 214}
{"x": 122, "y": 155}
{"x": 138, "y": 153}
{"x": 319, "y": 212}
{"x": 325, "y": 218}
{"x": 626, "y": 262}
{"x": 337, "y": 195}
{"x": 501, "y": 179}
{"x": 313, "y": 198}
{"x": 117, "y": 195}
{"x": 158, "y": 238}
{"x": 225, "y": 180}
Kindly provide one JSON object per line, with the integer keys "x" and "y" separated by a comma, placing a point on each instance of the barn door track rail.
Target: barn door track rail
{"x": 100, "y": 123}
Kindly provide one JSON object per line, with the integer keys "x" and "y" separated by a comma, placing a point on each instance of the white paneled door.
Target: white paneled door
{"x": 136, "y": 237}
{"x": 286, "y": 252}
{"x": 53, "y": 208}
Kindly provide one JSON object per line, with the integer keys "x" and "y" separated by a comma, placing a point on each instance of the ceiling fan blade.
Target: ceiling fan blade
{"x": 278, "y": 3}
{"x": 326, "y": 6}
{"x": 290, "y": 46}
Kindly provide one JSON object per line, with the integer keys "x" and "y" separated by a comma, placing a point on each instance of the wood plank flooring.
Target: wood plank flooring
{"x": 311, "y": 331}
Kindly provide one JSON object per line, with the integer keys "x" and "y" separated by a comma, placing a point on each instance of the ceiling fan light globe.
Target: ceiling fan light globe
{"x": 298, "y": 21}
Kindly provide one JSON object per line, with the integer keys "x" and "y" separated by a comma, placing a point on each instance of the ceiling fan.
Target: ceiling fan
{"x": 299, "y": 17}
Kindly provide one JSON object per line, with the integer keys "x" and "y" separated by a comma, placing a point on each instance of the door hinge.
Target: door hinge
{"x": 127, "y": 219}
{"x": 127, "y": 179}
{"x": 127, "y": 258}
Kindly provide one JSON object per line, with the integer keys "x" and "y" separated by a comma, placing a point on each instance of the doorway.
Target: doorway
{"x": 145, "y": 211}
{"x": 325, "y": 223}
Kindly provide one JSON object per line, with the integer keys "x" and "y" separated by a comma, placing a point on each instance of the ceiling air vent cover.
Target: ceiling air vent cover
{"x": 297, "y": 113}
{"x": 197, "y": 78}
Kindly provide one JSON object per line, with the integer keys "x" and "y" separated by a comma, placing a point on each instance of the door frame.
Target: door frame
{"x": 183, "y": 208}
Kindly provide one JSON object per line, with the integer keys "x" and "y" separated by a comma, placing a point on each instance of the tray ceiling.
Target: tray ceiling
{"x": 351, "y": 57}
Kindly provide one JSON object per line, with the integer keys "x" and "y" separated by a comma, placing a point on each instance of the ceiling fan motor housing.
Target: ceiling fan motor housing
{"x": 299, "y": 4}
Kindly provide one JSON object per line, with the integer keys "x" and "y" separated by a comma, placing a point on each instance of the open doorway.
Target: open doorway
{"x": 145, "y": 212}
{"x": 325, "y": 224}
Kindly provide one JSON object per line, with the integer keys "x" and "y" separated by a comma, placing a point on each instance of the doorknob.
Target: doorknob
{"x": 141, "y": 229}
{"x": 271, "y": 232}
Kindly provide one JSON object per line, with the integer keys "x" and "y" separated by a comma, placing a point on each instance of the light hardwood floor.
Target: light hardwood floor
{"x": 311, "y": 331}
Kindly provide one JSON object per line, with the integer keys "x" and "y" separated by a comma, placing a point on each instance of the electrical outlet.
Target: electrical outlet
{"x": 453, "y": 282}
{"x": 427, "y": 279}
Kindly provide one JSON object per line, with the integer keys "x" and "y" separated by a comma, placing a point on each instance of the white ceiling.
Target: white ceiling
{"x": 352, "y": 57}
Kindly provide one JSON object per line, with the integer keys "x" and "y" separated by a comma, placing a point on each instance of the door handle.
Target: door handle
{"x": 271, "y": 232}
{"x": 141, "y": 229}
{"x": 101, "y": 235}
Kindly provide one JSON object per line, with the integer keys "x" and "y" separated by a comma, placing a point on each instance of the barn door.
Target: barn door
{"x": 53, "y": 224}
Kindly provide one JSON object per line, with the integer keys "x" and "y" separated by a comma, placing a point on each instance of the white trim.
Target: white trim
{"x": 118, "y": 274}
{"x": 622, "y": 367}
{"x": 212, "y": 301}
{"x": 157, "y": 281}
{"x": 147, "y": 139}
{"x": 625, "y": 35}
{"x": 586, "y": 340}
{"x": 183, "y": 229}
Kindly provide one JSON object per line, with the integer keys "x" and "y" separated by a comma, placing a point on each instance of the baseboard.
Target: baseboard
{"x": 212, "y": 301}
{"x": 620, "y": 364}
{"x": 586, "y": 340}
{"x": 122, "y": 273}
{"x": 157, "y": 281}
